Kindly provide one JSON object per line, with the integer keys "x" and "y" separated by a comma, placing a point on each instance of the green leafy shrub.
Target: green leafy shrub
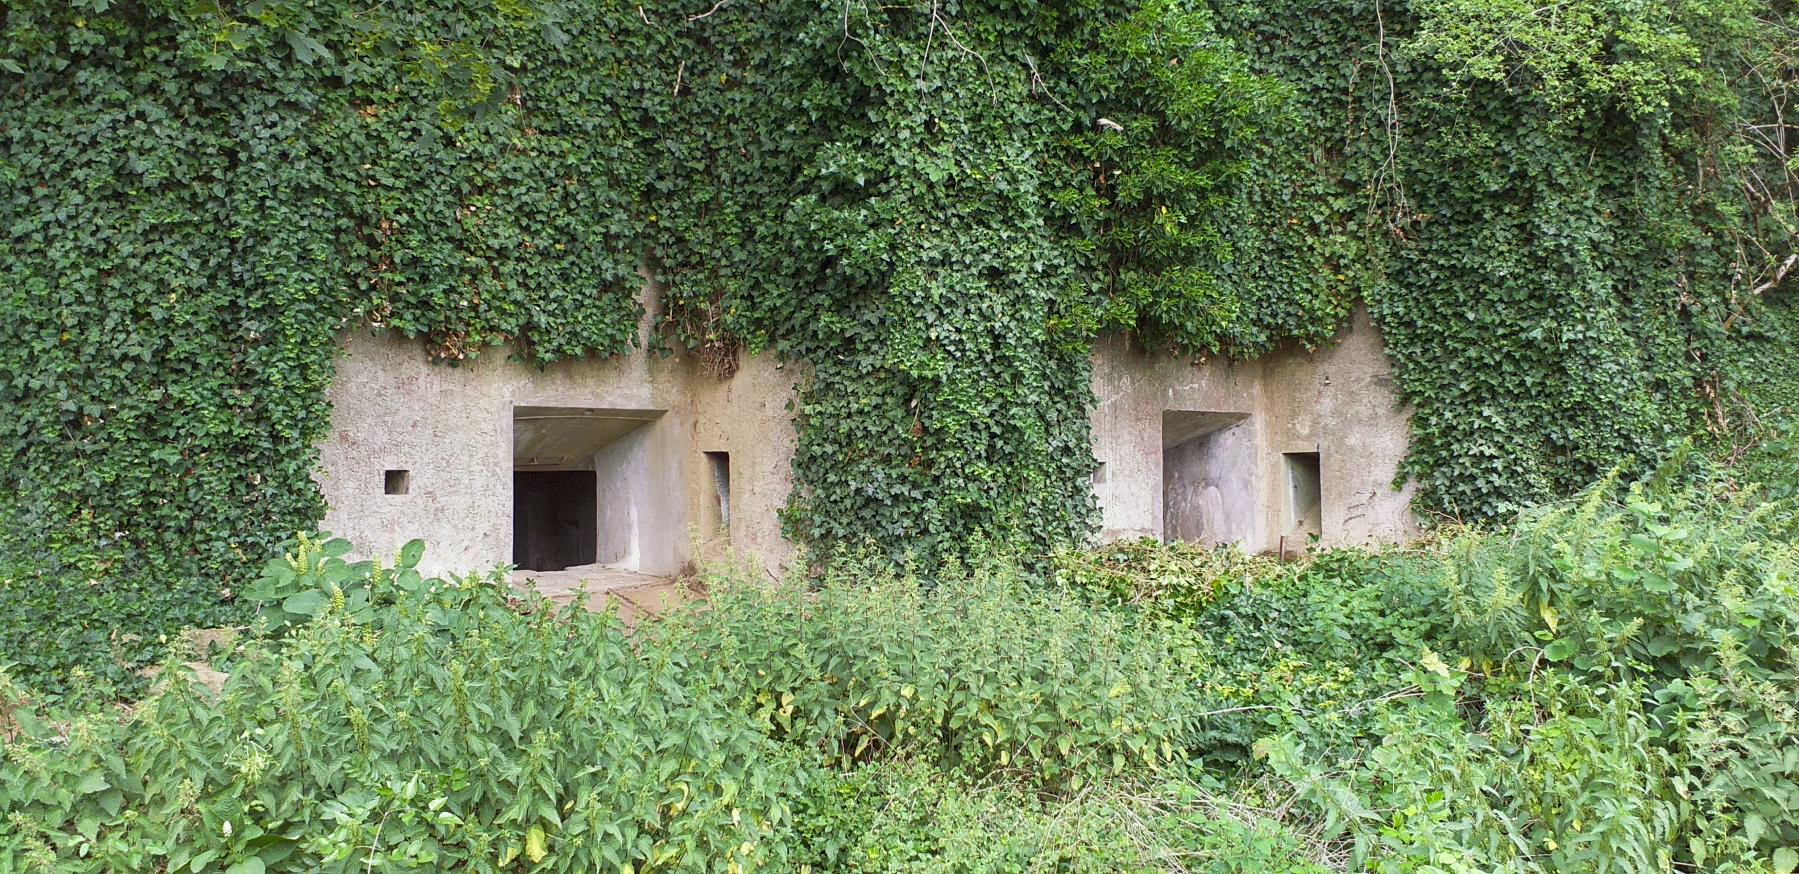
{"x": 981, "y": 673}
{"x": 902, "y": 816}
{"x": 69, "y": 635}
{"x": 1623, "y": 698}
{"x": 1561, "y": 777}
{"x": 1682, "y": 588}
{"x": 301, "y": 585}
{"x": 1607, "y": 684}
{"x": 443, "y": 731}
{"x": 1312, "y": 648}
{"x": 1317, "y": 649}
{"x": 1178, "y": 579}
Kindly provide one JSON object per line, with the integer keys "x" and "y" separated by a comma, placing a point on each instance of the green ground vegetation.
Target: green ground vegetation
{"x": 1607, "y": 684}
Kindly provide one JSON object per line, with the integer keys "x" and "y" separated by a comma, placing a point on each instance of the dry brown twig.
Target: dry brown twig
{"x": 708, "y": 13}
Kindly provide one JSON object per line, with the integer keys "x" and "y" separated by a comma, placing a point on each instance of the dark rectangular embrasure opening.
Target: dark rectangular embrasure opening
{"x": 718, "y": 513}
{"x": 554, "y": 519}
{"x": 396, "y": 482}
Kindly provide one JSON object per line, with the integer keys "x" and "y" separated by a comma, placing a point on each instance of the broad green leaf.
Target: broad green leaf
{"x": 308, "y": 603}
{"x": 411, "y": 553}
{"x": 1785, "y": 860}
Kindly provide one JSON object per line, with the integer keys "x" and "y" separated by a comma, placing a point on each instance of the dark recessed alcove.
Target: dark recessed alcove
{"x": 554, "y": 519}
{"x": 718, "y": 510}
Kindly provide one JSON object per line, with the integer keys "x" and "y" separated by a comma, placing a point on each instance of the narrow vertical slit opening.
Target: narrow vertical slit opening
{"x": 718, "y": 466}
{"x": 1305, "y": 494}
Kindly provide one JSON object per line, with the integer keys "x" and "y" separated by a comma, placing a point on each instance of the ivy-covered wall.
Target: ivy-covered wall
{"x": 1558, "y": 214}
{"x": 937, "y": 205}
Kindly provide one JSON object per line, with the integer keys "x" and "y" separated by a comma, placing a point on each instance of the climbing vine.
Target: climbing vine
{"x": 1557, "y": 213}
{"x": 937, "y": 205}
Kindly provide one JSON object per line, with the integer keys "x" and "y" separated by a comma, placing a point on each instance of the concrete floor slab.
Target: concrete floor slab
{"x": 638, "y": 596}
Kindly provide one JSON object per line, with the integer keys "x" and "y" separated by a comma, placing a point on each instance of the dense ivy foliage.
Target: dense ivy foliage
{"x": 1558, "y": 214}
{"x": 938, "y": 206}
{"x": 1763, "y": 387}
{"x": 938, "y": 209}
{"x": 201, "y": 197}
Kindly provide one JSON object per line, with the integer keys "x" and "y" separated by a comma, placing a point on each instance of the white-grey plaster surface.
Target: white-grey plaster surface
{"x": 1338, "y": 401}
{"x": 453, "y": 428}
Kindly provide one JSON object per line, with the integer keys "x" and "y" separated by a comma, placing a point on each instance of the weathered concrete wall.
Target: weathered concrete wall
{"x": 1341, "y": 402}
{"x": 750, "y": 418}
{"x": 452, "y": 428}
{"x": 1198, "y": 443}
{"x": 1337, "y": 401}
{"x": 1134, "y": 390}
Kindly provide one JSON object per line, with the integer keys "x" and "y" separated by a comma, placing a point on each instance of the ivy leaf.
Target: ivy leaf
{"x": 306, "y": 49}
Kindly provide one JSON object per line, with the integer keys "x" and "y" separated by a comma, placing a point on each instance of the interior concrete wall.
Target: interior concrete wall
{"x": 1338, "y": 400}
{"x": 629, "y": 495}
{"x": 1208, "y": 483}
{"x": 452, "y": 427}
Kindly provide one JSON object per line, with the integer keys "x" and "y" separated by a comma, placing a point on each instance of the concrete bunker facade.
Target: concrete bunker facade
{"x": 636, "y": 464}
{"x": 1292, "y": 448}
{"x": 642, "y": 464}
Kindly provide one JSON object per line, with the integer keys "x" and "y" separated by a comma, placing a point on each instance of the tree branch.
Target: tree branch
{"x": 1780, "y": 275}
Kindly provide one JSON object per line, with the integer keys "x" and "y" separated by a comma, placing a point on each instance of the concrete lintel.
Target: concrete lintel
{"x": 553, "y": 438}
{"x": 1184, "y": 426}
